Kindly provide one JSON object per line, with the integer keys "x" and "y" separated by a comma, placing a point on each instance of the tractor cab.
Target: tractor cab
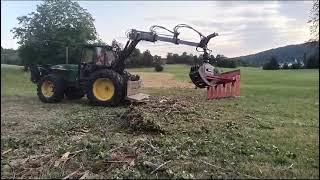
{"x": 94, "y": 57}
{"x": 98, "y": 55}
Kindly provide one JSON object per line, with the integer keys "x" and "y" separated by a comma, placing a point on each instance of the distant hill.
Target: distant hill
{"x": 283, "y": 54}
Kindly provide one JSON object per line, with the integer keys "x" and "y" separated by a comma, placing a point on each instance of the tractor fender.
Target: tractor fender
{"x": 37, "y": 72}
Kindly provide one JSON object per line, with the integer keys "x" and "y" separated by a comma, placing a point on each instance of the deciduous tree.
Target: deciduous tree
{"x": 44, "y": 34}
{"x": 314, "y": 21}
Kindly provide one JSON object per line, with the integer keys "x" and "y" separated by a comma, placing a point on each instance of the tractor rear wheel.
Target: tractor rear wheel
{"x": 106, "y": 88}
{"x": 50, "y": 89}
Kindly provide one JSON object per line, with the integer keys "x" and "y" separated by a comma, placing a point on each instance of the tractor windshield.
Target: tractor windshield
{"x": 101, "y": 55}
{"x": 104, "y": 56}
{"x": 110, "y": 56}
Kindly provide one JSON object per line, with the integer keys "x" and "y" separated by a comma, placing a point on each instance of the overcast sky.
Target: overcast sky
{"x": 244, "y": 27}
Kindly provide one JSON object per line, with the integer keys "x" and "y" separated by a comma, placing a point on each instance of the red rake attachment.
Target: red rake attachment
{"x": 218, "y": 85}
{"x": 227, "y": 85}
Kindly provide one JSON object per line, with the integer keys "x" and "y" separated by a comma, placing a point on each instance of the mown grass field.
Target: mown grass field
{"x": 271, "y": 131}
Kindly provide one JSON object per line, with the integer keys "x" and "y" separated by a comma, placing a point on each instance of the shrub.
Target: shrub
{"x": 158, "y": 68}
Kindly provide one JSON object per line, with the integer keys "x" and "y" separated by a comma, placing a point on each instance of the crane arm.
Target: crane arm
{"x": 135, "y": 36}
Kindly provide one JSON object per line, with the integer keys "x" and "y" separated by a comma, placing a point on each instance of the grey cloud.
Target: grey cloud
{"x": 157, "y": 18}
{"x": 252, "y": 14}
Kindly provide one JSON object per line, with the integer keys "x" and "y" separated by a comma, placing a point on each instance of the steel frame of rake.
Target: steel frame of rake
{"x": 227, "y": 85}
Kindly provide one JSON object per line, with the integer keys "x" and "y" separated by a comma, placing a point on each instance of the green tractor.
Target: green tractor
{"x": 96, "y": 76}
{"x": 101, "y": 74}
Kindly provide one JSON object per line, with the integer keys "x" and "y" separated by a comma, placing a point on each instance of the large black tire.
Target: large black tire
{"x": 50, "y": 89}
{"x": 107, "y": 83}
{"x": 73, "y": 93}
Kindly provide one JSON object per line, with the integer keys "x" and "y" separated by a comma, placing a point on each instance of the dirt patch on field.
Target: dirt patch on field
{"x": 162, "y": 80}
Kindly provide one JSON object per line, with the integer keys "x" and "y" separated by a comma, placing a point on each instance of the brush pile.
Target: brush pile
{"x": 157, "y": 114}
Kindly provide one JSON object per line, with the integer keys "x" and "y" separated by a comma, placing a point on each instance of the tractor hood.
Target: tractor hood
{"x": 68, "y": 71}
{"x": 66, "y": 67}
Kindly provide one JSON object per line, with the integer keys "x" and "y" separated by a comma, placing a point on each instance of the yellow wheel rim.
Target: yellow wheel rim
{"x": 47, "y": 88}
{"x": 103, "y": 89}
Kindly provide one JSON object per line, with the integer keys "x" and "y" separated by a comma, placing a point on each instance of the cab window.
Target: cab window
{"x": 110, "y": 58}
{"x": 88, "y": 54}
{"x": 101, "y": 56}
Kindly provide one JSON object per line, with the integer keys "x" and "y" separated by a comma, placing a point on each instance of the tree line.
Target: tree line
{"x": 312, "y": 62}
{"x": 137, "y": 59}
{"x": 145, "y": 59}
{"x": 10, "y": 56}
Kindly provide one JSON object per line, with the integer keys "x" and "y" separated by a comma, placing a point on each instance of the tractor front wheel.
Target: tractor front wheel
{"x": 106, "y": 88}
{"x": 50, "y": 89}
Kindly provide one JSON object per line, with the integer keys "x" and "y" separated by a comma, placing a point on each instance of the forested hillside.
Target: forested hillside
{"x": 284, "y": 54}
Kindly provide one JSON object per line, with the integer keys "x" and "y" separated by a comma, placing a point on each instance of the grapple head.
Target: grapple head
{"x": 199, "y": 73}
{"x": 219, "y": 85}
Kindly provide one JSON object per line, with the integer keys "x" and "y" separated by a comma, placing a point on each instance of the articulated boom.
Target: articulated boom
{"x": 197, "y": 73}
{"x": 135, "y": 36}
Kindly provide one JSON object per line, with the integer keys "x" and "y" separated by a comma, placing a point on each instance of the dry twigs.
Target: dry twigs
{"x": 160, "y": 166}
{"x": 236, "y": 172}
{"x": 155, "y": 115}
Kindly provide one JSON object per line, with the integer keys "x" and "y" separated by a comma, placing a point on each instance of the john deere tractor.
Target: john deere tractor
{"x": 101, "y": 74}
